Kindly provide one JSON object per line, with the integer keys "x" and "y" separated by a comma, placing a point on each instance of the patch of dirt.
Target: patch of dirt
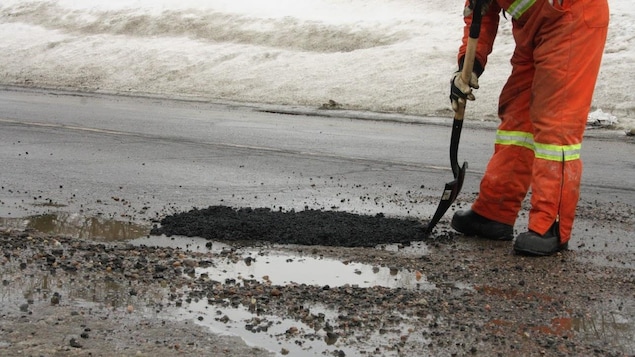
{"x": 486, "y": 301}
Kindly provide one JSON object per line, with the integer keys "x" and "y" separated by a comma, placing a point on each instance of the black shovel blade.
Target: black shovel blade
{"x": 450, "y": 193}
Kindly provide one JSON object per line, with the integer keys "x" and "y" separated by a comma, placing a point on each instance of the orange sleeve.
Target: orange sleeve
{"x": 489, "y": 28}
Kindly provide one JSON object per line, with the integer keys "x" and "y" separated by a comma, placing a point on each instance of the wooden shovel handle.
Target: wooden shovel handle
{"x": 470, "y": 52}
{"x": 466, "y": 73}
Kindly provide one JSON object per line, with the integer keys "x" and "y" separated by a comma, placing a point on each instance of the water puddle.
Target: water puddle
{"x": 609, "y": 322}
{"x": 20, "y": 287}
{"x": 79, "y": 226}
{"x": 281, "y": 268}
{"x": 292, "y": 336}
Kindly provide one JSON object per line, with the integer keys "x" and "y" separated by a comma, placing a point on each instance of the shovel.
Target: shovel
{"x": 453, "y": 187}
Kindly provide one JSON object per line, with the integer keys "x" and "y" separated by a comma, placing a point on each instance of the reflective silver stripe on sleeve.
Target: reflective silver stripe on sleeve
{"x": 518, "y": 7}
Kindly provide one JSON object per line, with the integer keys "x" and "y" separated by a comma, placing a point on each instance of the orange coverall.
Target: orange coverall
{"x": 543, "y": 108}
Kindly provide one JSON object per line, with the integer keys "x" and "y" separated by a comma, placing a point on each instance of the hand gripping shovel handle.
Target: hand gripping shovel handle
{"x": 453, "y": 188}
{"x": 470, "y": 53}
{"x": 466, "y": 76}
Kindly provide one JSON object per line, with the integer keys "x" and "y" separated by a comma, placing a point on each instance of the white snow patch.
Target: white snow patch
{"x": 371, "y": 55}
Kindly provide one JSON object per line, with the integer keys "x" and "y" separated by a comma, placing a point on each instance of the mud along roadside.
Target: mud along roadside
{"x": 114, "y": 299}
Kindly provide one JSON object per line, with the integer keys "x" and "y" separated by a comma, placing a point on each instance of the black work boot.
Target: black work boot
{"x": 532, "y": 243}
{"x": 471, "y": 223}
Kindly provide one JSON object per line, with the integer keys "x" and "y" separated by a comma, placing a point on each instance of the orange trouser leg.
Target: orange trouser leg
{"x": 508, "y": 174}
{"x": 567, "y": 58}
{"x": 548, "y": 95}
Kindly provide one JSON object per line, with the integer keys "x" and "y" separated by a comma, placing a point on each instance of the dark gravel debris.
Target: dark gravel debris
{"x": 308, "y": 227}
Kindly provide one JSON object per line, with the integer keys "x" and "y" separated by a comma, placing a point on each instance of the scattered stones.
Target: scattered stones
{"x": 74, "y": 343}
{"x": 492, "y": 312}
{"x": 55, "y": 299}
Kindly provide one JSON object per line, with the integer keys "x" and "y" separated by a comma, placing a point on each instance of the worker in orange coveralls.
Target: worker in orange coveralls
{"x": 543, "y": 109}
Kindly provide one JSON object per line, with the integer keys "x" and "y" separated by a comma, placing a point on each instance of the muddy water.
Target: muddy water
{"x": 79, "y": 226}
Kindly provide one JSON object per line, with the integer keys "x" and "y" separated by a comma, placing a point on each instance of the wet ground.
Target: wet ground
{"x": 305, "y": 240}
{"x": 443, "y": 295}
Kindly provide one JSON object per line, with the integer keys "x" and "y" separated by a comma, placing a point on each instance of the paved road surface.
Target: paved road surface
{"x": 140, "y": 158}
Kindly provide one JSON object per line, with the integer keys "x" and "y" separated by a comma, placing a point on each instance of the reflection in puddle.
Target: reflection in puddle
{"x": 602, "y": 326}
{"x": 78, "y": 226}
{"x": 295, "y": 337}
{"x": 613, "y": 325}
{"x": 21, "y": 287}
{"x": 608, "y": 321}
{"x": 281, "y": 269}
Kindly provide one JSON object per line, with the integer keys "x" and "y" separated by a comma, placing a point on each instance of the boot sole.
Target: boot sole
{"x": 530, "y": 252}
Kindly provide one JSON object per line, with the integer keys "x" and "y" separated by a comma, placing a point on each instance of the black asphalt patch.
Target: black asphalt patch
{"x": 308, "y": 227}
